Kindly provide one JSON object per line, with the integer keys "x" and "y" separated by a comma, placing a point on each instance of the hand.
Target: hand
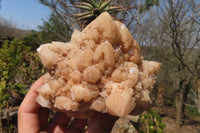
{"x": 33, "y": 118}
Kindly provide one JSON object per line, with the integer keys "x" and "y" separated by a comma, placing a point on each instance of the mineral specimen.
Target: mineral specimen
{"x": 100, "y": 69}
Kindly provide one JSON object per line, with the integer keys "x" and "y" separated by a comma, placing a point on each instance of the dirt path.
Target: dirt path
{"x": 168, "y": 117}
{"x": 171, "y": 126}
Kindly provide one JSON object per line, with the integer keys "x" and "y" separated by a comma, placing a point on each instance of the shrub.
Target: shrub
{"x": 192, "y": 111}
{"x": 151, "y": 122}
{"x": 19, "y": 67}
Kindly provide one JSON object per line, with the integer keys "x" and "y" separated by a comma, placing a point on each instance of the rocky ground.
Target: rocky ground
{"x": 123, "y": 125}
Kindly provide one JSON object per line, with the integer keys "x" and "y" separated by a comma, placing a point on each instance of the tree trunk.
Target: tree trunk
{"x": 179, "y": 106}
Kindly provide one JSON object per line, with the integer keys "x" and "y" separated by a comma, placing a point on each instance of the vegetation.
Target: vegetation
{"x": 9, "y": 30}
{"x": 167, "y": 31}
{"x": 94, "y": 9}
{"x": 53, "y": 29}
{"x": 19, "y": 67}
{"x": 183, "y": 37}
{"x": 151, "y": 123}
{"x": 192, "y": 111}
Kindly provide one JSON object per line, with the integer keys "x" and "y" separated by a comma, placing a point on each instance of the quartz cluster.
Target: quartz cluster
{"x": 100, "y": 69}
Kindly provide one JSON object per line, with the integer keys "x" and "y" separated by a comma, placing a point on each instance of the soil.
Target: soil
{"x": 190, "y": 124}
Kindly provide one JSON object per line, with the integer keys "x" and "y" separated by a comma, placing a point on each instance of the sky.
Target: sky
{"x": 24, "y": 14}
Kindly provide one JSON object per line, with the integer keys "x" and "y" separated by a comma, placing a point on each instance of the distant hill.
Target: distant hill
{"x": 6, "y": 31}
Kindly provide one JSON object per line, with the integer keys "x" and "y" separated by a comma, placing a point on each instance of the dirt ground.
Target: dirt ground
{"x": 190, "y": 125}
{"x": 168, "y": 117}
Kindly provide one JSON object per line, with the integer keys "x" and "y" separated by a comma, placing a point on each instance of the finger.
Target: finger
{"x": 61, "y": 119}
{"x": 102, "y": 123}
{"x": 57, "y": 129}
{"x": 79, "y": 124}
{"x": 29, "y": 104}
{"x": 28, "y": 119}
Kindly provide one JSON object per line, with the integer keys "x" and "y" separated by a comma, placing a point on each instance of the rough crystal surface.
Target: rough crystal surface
{"x": 100, "y": 69}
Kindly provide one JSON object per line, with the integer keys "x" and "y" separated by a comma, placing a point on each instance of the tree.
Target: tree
{"x": 60, "y": 8}
{"x": 55, "y": 29}
{"x": 180, "y": 28}
{"x": 66, "y": 10}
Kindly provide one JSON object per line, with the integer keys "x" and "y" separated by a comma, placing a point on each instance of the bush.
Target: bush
{"x": 33, "y": 40}
{"x": 192, "y": 111}
{"x": 19, "y": 67}
{"x": 151, "y": 122}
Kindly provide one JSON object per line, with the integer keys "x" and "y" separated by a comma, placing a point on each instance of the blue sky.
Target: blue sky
{"x": 25, "y": 14}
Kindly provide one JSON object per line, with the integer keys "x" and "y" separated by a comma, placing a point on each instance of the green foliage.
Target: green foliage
{"x": 149, "y": 3}
{"x": 170, "y": 102}
{"x": 10, "y": 127}
{"x": 151, "y": 122}
{"x": 192, "y": 111}
{"x": 20, "y": 88}
{"x": 19, "y": 67}
{"x": 54, "y": 30}
{"x": 11, "y": 54}
{"x": 33, "y": 40}
{"x": 94, "y": 8}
